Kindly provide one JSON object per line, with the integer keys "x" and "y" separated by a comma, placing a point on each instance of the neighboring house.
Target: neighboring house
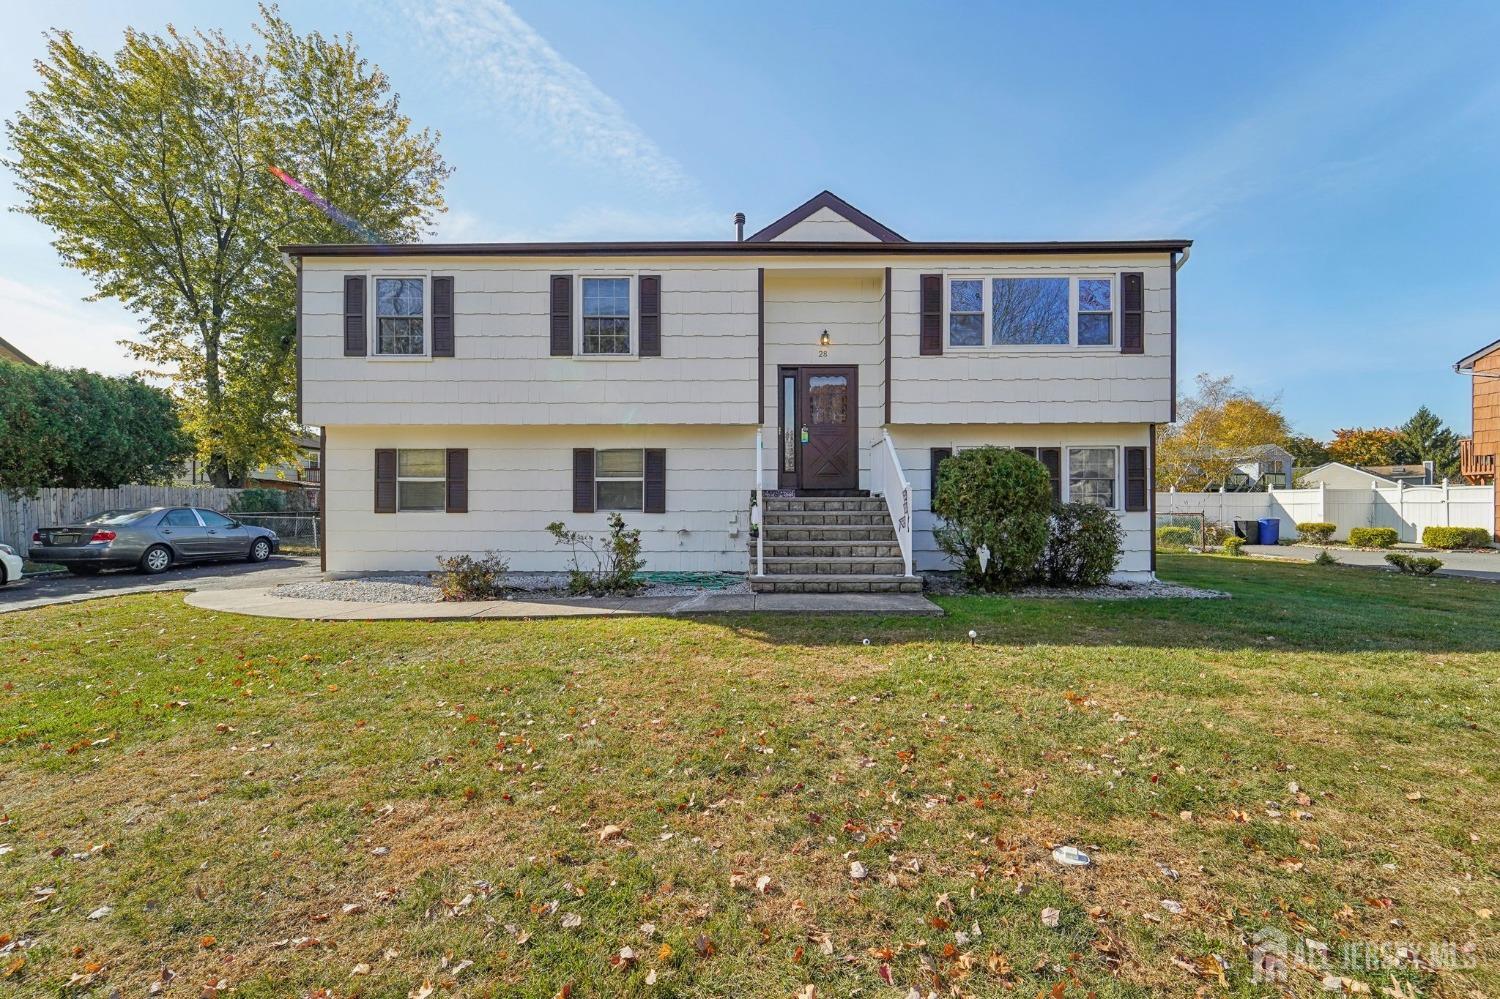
{"x": 1476, "y": 453}
{"x": 9, "y": 352}
{"x": 1337, "y": 475}
{"x": 301, "y": 473}
{"x": 471, "y": 394}
{"x": 1258, "y": 468}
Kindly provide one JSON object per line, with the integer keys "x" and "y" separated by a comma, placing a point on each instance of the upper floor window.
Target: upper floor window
{"x": 398, "y": 316}
{"x": 606, "y": 315}
{"x": 966, "y": 313}
{"x": 1096, "y": 315}
{"x": 1030, "y": 311}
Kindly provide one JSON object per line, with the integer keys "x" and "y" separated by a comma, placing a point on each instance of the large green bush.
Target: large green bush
{"x": 1083, "y": 545}
{"x": 1455, "y": 537}
{"x": 1373, "y": 537}
{"x": 995, "y": 504}
{"x": 1175, "y": 538}
{"x": 1317, "y": 532}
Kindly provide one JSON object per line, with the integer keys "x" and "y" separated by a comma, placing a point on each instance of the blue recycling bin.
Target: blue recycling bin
{"x": 1270, "y": 531}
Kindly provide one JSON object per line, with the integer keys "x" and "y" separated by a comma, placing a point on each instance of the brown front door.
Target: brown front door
{"x": 827, "y": 428}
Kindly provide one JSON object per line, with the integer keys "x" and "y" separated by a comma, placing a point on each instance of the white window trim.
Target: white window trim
{"x": 420, "y": 478}
{"x": 987, "y": 300}
{"x": 635, "y": 317}
{"x": 372, "y": 331}
{"x": 618, "y": 478}
{"x": 1067, "y": 471}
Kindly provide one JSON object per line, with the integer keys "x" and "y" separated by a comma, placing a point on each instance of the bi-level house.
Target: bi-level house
{"x": 779, "y": 401}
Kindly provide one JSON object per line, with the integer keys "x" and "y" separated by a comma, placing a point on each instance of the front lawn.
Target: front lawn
{"x": 503, "y": 808}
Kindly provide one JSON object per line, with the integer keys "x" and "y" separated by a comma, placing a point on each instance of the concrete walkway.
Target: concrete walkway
{"x": 32, "y": 592}
{"x": 1474, "y": 565}
{"x": 258, "y": 602}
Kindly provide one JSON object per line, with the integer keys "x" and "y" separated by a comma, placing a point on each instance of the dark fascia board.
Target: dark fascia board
{"x": 731, "y": 248}
{"x": 826, "y": 199}
{"x": 1468, "y": 362}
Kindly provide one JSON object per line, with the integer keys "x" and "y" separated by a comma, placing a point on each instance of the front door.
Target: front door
{"x": 827, "y": 428}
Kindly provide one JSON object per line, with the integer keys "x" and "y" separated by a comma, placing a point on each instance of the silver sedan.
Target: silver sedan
{"x": 152, "y": 540}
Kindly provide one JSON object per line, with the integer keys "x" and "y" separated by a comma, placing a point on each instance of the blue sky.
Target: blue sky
{"x": 1335, "y": 162}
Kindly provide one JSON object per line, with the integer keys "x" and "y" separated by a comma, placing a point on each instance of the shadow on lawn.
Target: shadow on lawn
{"x": 1292, "y": 608}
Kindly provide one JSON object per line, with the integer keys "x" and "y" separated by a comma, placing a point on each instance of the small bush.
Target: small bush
{"x": 1214, "y": 534}
{"x": 1373, "y": 537}
{"x": 1448, "y": 538}
{"x": 617, "y": 558}
{"x": 994, "y": 502}
{"x": 1318, "y": 532}
{"x": 1325, "y": 557}
{"x": 1414, "y": 565}
{"x": 1175, "y": 538}
{"x": 465, "y": 578}
{"x": 1234, "y": 545}
{"x": 1083, "y": 545}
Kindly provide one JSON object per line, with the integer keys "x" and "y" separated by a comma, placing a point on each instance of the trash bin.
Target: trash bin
{"x": 1270, "y": 531}
{"x": 1249, "y": 530}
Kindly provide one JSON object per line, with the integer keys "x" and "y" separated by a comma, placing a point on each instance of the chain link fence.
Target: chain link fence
{"x": 297, "y": 531}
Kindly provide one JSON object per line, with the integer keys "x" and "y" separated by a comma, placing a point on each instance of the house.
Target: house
{"x": 1264, "y": 466}
{"x": 470, "y": 394}
{"x": 299, "y": 473}
{"x": 1337, "y": 475}
{"x": 1476, "y": 453}
{"x": 10, "y": 352}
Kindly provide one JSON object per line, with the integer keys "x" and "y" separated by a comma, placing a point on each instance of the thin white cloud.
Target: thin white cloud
{"x": 500, "y": 59}
{"x": 53, "y": 328}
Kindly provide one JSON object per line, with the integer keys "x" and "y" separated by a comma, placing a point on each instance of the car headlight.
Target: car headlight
{"x": 7, "y": 549}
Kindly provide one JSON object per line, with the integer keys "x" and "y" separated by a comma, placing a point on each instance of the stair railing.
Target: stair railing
{"x": 758, "y": 515}
{"x": 888, "y": 478}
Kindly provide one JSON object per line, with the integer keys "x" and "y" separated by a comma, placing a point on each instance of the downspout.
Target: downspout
{"x": 1187, "y": 251}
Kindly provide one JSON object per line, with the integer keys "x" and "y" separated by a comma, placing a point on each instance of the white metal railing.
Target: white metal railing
{"x": 757, "y": 515}
{"x": 890, "y": 481}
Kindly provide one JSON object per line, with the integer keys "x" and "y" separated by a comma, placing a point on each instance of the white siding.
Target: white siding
{"x": 521, "y": 479}
{"x": 1031, "y": 384}
{"x": 826, "y": 225}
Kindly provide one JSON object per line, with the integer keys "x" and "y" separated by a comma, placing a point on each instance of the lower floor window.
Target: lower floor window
{"x": 421, "y": 475}
{"x": 619, "y": 479}
{"x": 1091, "y": 475}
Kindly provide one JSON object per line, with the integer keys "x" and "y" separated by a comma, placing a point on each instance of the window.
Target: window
{"x": 606, "y": 315}
{"x": 1095, "y": 313}
{"x": 966, "y": 313}
{"x": 1091, "y": 475}
{"x": 789, "y": 423}
{"x": 619, "y": 479}
{"x": 421, "y": 478}
{"x": 1029, "y": 311}
{"x": 217, "y": 521}
{"x": 179, "y": 518}
{"x": 398, "y": 316}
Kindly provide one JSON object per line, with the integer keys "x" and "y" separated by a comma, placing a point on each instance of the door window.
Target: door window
{"x": 788, "y": 423}
{"x": 828, "y": 399}
{"x": 215, "y": 520}
{"x": 179, "y": 518}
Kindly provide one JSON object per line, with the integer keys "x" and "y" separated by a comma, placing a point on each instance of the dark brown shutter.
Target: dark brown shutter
{"x": 656, "y": 481}
{"x": 583, "y": 480}
{"x": 1051, "y": 457}
{"x": 458, "y": 480}
{"x": 356, "y": 339}
{"x": 938, "y": 455}
{"x": 385, "y": 480}
{"x": 562, "y": 315}
{"x": 1132, "y": 313}
{"x": 650, "y": 325}
{"x": 1029, "y": 452}
{"x": 1137, "y": 494}
{"x": 442, "y": 317}
{"x": 932, "y": 314}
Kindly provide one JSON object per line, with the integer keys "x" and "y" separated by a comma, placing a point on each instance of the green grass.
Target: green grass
{"x": 244, "y": 779}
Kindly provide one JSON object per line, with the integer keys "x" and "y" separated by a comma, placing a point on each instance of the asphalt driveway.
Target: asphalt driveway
{"x": 64, "y": 588}
{"x": 1475, "y": 565}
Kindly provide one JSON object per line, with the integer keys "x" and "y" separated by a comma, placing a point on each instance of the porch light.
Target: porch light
{"x": 824, "y": 339}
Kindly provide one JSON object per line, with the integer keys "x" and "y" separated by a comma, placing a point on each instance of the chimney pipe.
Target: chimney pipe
{"x": 739, "y": 227}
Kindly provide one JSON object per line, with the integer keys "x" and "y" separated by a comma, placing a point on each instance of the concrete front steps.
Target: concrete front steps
{"x": 830, "y": 544}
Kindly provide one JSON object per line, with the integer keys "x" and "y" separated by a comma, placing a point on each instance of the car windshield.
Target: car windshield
{"x": 117, "y": 516}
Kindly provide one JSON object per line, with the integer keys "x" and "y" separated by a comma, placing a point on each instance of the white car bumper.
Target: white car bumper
{"x": 12, "y": 564}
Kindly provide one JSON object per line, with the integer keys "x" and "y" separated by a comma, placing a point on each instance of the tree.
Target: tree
{"x": 1425, "y": 438}
{"x": 1217, "y": 429}
{"x": 77, "y": 428}
{"x": 1307, "y": 452}
{"x": 1359, "y": 446}
{"x": 154, "y": 170}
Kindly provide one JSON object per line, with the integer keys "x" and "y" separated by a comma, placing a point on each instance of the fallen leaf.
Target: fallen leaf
{"x": 858, "y": 871}
{"x": 101, "y": 912}
{"x": 1051, "y": 917}
{"x": 571, "y": 920}
{"x": 359, "y": 969}
{"x": 610, "y": 832}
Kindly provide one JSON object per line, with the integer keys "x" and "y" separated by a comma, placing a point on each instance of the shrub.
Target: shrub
{"x": 1083, "y": 545}
{"x": 1325, "y": 557}
{"x": 465, "y": 578}
{"x": 1318, "y": 532}
{"x": 1174, "y": 538}
{"x": 1373, "y": 537}
{"x": 1214, "y": 534}
{"x": 1234, "y": 545}
{"x": 259, "y": 501}
{"x": 617, "y": 558}
{"x": 996, "y": 502}
{"x": 1455, "y": 537}
{"x": 1414, "y": 565}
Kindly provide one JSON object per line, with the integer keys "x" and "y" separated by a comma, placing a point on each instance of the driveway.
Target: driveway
{"x": 1475, "y": 565}
{"x": 43, "y": 591}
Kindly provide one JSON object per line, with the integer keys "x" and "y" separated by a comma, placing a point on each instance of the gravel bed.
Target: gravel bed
{"x": 952, "y": 584}
{"x": 418, "y": 588}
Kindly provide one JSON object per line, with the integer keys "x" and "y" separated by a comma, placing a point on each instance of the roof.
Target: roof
{"x": 1339, "y": 464}
{"x": 1467, "y": 363}
{"x": 826, "y": 199}
{"x": 10, "y": 352}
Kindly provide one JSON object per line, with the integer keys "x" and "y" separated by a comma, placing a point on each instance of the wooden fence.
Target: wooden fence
{"x": 20, "y": 515}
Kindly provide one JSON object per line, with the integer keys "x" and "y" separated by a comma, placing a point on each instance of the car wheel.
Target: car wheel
{"x": 158, "y": 558}
{"x": 84, "y": 570}
{"x": 260, "y": 550}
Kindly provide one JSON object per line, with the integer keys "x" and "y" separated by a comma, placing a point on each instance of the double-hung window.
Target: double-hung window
{"x": 399, "y": 316}
{"x": 619, "y": 479}
{"x": 966, "y": 312}
{"x": 606, "y": 315}
{"x": 1092, "y": 475}
{"x": 1030, "y": 311}
{"x": 1096, "y": 315}
{"x": 421, "y": 476}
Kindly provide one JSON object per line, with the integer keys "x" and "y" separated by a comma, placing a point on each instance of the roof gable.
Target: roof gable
{"x": 1468, "y": 362}
{"x": 827, "y": 214}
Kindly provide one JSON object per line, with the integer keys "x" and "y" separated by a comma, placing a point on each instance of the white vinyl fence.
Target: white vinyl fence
{"x": 1408, "y": 509}
{"x": 20, "y": 515}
